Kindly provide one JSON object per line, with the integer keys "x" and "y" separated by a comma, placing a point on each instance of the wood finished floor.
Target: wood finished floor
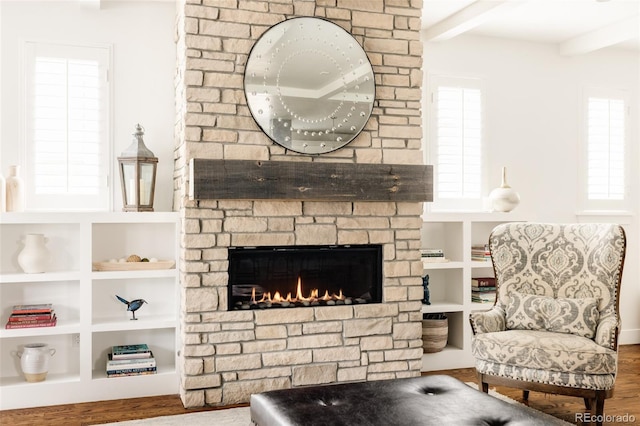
{"x": 624, "y": 402}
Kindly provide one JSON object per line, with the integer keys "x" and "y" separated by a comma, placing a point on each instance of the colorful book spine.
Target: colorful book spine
{"x": 112, "y": 367}
{"x": 483, "y": 289}
{"x": 130, "y": 351}
{"x": 483, "y": 282}
{"x": 431, "y": 253}
{"x": 119, "y": 364}
{"x": 30, "y": 317}
{"x": 132, "y": 370}
{"x": 32, "y": 309}
{"x": 131, "y": 373}
{"x": 31, "y": 324}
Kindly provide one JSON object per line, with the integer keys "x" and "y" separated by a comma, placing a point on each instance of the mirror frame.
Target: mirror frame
{"x": 345, "y": 82}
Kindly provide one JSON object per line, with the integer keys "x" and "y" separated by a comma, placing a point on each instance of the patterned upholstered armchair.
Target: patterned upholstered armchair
{"x": 554, "y": 327}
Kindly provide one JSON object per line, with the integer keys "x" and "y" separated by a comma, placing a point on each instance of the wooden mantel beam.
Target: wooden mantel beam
{"x": 315, "y": 181}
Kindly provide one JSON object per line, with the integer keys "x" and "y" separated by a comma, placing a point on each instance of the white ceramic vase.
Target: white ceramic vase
{"x": 504, "y": 198}
{"x": 15, "y": 190}
{"x": 34, "y": 257}
{"x": 34, "y": 361}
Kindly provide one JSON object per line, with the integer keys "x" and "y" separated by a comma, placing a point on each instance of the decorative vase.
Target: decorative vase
{"x": 34, "y": 361}
{"x": 504, "y": 198}
{"x": 15, "y": 190}
{"x": 3, "y": 194}
{"x": 34, "y": 257}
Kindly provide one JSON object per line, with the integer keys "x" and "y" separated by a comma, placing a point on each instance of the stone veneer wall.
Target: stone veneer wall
{"x": 226, "y": 356}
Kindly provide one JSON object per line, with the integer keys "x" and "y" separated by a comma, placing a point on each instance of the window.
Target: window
{"x": 605, "y": 138}
{"x": 66, "y": 127}
{"x": 455, "y": 147}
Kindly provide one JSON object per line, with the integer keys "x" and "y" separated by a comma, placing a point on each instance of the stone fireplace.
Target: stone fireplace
{"x": 226, "y": 355}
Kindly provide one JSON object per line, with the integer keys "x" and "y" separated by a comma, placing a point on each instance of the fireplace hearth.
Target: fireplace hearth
{"x": 304, "y": 276}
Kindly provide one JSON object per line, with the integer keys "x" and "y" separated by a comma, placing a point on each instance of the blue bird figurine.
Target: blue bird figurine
{"x": 132, "y": 306}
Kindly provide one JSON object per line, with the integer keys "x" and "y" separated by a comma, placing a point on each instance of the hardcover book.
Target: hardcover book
{"x": 35, "y": 308}
{"x": 32, "y": 324}
{"x": 483, "y": 282}
{"x": 130, "y": 351}
{"x": 128, "y": 363}
{"x": 131, "y": 373}
{"x": 31, "y": 317}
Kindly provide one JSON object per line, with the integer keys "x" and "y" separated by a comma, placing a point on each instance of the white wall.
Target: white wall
{"x": 141, "y": 34}
{"x": 533, "y": 118}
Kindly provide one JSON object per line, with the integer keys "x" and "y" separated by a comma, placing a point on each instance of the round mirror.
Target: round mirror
{"x": 309, "y": 85}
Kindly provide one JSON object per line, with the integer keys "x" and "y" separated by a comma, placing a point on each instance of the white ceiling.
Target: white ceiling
{"x": 576, "y": 26}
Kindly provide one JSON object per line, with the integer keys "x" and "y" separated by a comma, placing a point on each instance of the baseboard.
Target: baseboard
{"x": 629, "y": 337}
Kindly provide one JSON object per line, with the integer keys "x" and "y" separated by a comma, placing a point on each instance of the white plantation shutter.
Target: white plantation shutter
{"x": 606, "y": 166}
{"x": 456, "y": 145}
{"x": 68, "y": 152}
{"x": 605, "y": 149}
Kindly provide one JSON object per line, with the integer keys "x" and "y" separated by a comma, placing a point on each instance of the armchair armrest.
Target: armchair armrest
{"x": 607, "y": 332}
{"x": 488, "y": 321}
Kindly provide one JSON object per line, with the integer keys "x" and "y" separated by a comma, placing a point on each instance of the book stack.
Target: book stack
{"x": 481, "y": 253}
{"x": 483, "y": 290}
{"x": 28, "y": 316}
{"x": 130, "y": 360}
{"x": 433, "y": 255}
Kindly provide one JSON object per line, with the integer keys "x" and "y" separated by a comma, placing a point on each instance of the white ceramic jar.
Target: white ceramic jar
{"x": 34, "y": 361}
{"x": 34, "y": 257}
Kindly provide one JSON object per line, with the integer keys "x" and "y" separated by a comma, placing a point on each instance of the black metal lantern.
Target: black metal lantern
{"x": 138, "y": 175}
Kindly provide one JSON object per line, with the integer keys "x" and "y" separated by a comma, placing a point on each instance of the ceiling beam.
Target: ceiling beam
{"x": 608, "y": 35}
{"x": 466, "y": 19}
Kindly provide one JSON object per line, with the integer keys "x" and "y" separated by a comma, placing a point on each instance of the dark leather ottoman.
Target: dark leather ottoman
{"x": 426, "y": 400}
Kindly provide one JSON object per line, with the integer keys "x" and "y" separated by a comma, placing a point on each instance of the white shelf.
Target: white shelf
{"x": 437, "y": 307}
{"x": 62, "y": 327}
{"x": 450, "y": 282}
{"x": 90, "y": 319}
{"x": 143, "y": 323}
{"x": 52, "y": 380}
{"x": 44, "y": 277}
{"x": 442, "y": 265}
{"x": 20, "y": 218}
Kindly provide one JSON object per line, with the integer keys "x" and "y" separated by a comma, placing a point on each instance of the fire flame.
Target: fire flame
{"x": 313, "y": 296}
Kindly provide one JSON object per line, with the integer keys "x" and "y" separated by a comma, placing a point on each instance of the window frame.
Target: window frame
{"x": 588, "y": 205}
{"x": 434, "y": 81}
{"x": 103, "y": 201}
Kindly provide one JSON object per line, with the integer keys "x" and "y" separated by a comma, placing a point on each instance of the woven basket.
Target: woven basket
{"x": 434, "y": 334}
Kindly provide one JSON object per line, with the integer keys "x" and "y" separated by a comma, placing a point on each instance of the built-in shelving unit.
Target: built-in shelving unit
{"x": 90, "y": 318}
{"x": 450, "y": 282}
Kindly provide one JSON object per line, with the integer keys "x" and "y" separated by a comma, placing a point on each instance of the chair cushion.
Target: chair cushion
{"x": 544, "y": 350}
{"x": 559, "y": 315}
{"x": 535, "y": 375}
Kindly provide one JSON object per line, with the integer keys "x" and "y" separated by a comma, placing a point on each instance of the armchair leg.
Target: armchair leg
{"x": 597, "y": 407}
{"x": 587, "y": 404}
{"x": 482, "y": 386}
{"x": 525, "y": 395}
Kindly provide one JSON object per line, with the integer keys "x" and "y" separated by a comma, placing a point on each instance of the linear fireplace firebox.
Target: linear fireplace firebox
{"x": 299, "y": 276}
